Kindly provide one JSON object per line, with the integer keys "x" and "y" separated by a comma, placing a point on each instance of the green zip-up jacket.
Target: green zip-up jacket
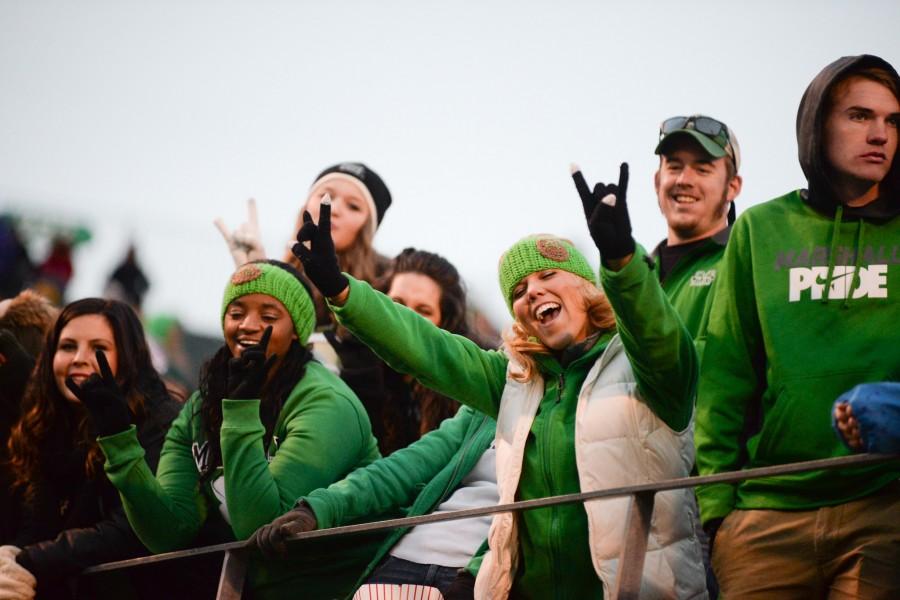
{"x": 784, "y": 340}
{"x": 420, "y": 477}
{"x": 322, "y": 434}
{"x": 555, "y": 559}
{"x": 689, "y": 283}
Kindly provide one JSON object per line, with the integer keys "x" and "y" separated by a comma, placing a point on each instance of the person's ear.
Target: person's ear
{"x": 656, "y": 187}
{"x": 733, "y": 188}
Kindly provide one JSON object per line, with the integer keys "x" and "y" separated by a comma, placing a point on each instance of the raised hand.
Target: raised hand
{"x": 247, "y": 372}
{"x": 319, "y": 258}
{"x": 245, "y": 242}
{"x": 606, "y": 212}
{"x": 271, "y": 539}
{"x": 103, "y": 399}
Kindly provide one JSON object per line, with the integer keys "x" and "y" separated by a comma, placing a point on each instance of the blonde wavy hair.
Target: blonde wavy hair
{"x": 521, "y": 346}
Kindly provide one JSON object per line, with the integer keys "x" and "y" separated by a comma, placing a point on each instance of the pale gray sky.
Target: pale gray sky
{"x": 146, "y": 120}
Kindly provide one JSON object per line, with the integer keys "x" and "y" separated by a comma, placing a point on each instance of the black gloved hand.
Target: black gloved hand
{"x": 271, "y": 539}
{"x": 461, "y": 588}
{"x": 609, "y": 224}
{"x": 320, "y": 261}
{"x": 103, "y": 399}
{"x": 15, "y": 368}
{"x": 247, "y": 372}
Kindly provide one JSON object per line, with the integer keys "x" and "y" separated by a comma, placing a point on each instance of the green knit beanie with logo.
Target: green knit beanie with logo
{"x": 537, "y": 253}
{"x": 263, "y": 278}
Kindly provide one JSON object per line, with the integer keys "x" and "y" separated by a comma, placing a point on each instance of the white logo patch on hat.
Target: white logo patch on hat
{"x": 357, "y": 171}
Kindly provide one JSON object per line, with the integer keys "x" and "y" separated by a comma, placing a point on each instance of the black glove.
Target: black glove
{"x": 247, "y": 372}
{"x": 271, "y": 538}
{"x": 461, "y": 588}
{"x": 103, "y": 399}
{"x": 320, "y": 261}
{"x": 610, "y": 226}
{"x": 15, "y": 368}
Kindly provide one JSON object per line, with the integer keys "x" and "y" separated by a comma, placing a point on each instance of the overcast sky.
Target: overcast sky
{"x": 146, "y": 120}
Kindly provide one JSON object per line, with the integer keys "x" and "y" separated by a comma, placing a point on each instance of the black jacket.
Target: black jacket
{"x": 74, "y": 521}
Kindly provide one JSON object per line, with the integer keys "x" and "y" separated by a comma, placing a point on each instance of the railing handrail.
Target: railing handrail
{"x": 630, "y": 490}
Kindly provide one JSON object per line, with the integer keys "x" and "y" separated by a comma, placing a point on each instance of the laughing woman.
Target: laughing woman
{"x": 267, "y": 426}
{"x": 591, "y": 391}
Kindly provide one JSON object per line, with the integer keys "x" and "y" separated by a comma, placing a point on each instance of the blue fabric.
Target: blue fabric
{"x": 876, "y": 407}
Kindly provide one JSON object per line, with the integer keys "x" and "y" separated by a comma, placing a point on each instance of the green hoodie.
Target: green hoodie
{"x": 420, "y": 477}
{"x": 322, "y": 434}
{"x": 778, "y": 346}
{"x": 555, "y": 559}
{"x": 805, "y": 307}
{"x": 689, "y": 283}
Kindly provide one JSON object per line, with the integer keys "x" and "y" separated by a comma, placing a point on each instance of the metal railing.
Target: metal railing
{"x": 631, "y": 557}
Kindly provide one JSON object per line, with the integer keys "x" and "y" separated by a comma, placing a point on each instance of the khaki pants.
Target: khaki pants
{"x": 851, "y": 550}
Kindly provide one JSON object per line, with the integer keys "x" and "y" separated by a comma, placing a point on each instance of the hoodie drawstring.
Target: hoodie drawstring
{"x": 855, "y": 280}
{"x": 838, "y": 213}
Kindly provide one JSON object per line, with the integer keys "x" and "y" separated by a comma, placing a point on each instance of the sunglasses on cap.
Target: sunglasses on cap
{"x": 717, "y": 131}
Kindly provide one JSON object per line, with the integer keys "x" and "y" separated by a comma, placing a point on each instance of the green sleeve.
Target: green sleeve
{"x": 659, "y": 347}
{"x": 165, "y": 511}
{"x": 325, "y": 438}
{"x": 391, "y": 482}
{"x": 732, "y": 373}
{"x": 450, "y": 364}
{"x": 475, "y": 562}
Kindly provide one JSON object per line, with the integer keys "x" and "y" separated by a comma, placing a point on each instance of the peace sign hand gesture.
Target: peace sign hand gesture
{"x": 103, "y": 399}
{"x": 247, "y": 372}
{"x": 315, "y": 250}
{"x": 606, "y": 212}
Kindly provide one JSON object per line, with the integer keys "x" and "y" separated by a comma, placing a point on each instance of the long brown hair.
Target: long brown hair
{"x": 433, "y": 407}
{"x": 46, "y": 412}
{"x": 521, "y": 346}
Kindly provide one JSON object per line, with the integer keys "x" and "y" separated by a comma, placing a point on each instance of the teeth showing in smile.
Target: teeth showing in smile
{"x": 682, "y": 199}
{"x": 545, "y": 311}
{"x": 247, "y": 343}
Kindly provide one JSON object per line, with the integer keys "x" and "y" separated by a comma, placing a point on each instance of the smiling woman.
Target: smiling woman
{"x": 594, "y": 389}
{"x": 267, "y": 425}
{"x": 73, "y": 517}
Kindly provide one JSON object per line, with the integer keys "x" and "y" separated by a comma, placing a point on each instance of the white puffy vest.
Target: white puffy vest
{"x": 619, "y": 441}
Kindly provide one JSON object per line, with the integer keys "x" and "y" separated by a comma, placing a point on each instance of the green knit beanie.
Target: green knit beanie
{"x": 536, "y": 253}
{"x": 263, "y": 278}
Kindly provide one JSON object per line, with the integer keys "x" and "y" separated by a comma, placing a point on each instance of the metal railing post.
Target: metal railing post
{"x": 234, "y": 572}
{"x": 634, "y": 548}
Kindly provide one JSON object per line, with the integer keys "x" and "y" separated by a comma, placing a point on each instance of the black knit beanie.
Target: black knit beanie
{"x": 381, "y": 196}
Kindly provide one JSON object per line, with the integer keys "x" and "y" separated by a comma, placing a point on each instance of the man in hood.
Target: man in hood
{"x": 805, "y": 308}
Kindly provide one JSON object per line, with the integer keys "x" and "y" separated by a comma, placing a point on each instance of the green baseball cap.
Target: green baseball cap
{"x": 714, "y": 136}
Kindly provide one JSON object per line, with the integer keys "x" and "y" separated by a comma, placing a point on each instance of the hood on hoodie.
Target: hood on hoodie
{"x": 811, "y": 143}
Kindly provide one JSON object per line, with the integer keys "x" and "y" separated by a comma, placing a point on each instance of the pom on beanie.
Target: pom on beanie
{"x": 263, "y": 278}
{"x": 375, "y": 191}
{"x": 537, "y": 253}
